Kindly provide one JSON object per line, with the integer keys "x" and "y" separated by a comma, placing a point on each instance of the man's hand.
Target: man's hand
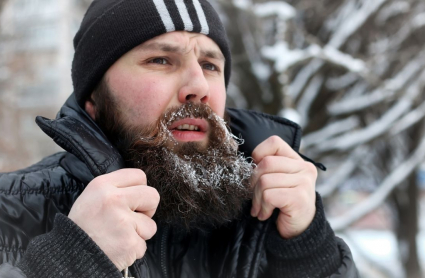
{"x": 285, "y": 181}
{"x": 115, "y": 210}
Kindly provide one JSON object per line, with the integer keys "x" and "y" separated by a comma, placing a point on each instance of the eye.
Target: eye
{"x": 210, "y": 67}
{"x": 161, "y": 61}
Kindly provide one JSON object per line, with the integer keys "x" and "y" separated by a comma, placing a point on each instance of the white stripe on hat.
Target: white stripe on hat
{"x": 184, "y": 14}
{"x": 202, "y": 19}
{"x": 165, "y": 15}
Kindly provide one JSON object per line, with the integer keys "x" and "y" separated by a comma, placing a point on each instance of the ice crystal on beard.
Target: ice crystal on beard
{"x": 197, "y": 176}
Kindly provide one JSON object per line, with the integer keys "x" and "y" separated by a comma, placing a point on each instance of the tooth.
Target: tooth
{"x": 185, "y": 126}
{"x": 180, "y": 127}
{"x": 196, "y": 128}
{"x": 191, "y": 127}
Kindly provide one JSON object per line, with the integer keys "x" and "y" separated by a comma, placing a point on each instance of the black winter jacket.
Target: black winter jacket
{"x": 38, "y": 240}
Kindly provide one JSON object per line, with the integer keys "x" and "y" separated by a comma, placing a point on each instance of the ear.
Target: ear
{"x": 90, "y": 107}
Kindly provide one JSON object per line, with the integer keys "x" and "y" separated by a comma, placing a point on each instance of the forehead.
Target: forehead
{"x": 183, "y": 41}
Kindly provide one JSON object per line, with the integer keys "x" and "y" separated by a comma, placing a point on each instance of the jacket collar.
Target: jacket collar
{"x": 77, "y": 133}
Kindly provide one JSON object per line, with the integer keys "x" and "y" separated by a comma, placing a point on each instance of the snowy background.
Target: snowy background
{"x": 350, "y": 72}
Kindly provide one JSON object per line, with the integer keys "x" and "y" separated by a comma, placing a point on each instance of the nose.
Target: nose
{"x": 195, "y": 87}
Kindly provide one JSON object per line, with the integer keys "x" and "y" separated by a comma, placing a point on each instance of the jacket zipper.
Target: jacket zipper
{"x": 164, "y": 252}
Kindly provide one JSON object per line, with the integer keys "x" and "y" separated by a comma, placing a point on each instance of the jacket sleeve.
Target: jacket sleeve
{"x": 347, "y": 267}
{"x": 66, "y": 251}
{"x": 317, "y": 252}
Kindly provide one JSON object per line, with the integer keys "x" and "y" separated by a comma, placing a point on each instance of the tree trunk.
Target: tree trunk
{"x": 407, "y": 206}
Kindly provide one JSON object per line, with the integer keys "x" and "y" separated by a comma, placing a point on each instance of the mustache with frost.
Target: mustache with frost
{"x": 200, "y": 185}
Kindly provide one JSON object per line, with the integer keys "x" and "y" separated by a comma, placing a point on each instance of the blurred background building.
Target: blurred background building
{"x": 350, "y": 72}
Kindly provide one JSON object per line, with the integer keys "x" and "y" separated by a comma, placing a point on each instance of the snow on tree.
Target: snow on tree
{"x": 352, "y": 74}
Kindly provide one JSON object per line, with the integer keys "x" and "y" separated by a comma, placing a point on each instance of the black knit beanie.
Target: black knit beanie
{"x": 111, "y": 28}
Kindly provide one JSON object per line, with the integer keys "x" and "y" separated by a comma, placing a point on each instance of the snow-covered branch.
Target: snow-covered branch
{"x": 381, "y": 193}
{"x": 385, "y": 92}
{"x": 408, "y": 120}
{"x": 329, "y": 131}
{"x": 341, "y": 82}
{"x": 379, "y": 127}
{"x": 392, "y": 10}
{"x": 354, "y": 21}
{"x": 301, "y": 79}
{"x": 240, "y": 4}
{"x": 343, "y": 172}
{"x": 282, "y": 10}
{"x": 258, "y": 68}
{"x": 406, "y": 30}
{"x": 343, "y": 28}
{"x": 372, "y": 131}
{"x": 308, "y": 97}
{"x": 285, "y": 58}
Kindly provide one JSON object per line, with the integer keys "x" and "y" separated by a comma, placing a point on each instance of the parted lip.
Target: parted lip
{"x": 200, "y": 123}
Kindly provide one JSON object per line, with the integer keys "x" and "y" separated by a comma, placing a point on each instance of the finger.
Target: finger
{"x": 276, "y": 198}
{"x": 272, "y": 198}
{"x": 135, "y": 249}
{"x": 144, "y": 225}
{"x": 277, "y": 164}
{"x": 273, "y": 146}
{"x": 142, "y": 198}
{"x": 141, "y": 249}
{"x": 292, "y": 202}
{"x": 125, "y": 177}
{"x": 274, "y": 180}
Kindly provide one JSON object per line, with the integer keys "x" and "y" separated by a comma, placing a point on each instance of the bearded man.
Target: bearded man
{"x": 152, "y": 178}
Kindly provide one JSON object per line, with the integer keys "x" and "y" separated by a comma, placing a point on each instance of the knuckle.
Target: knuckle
{"x": 263, "y": 183}
{"x": 152, "y": 228}
{"x": 267, "y": 197}
{"x": 142, "y": 174}
{"x": 274, "y": 139}
{"x": 120, "y": 219}
{"x": 311, "y": 168}
{"x": 154, "y": 192}
{"x": 141, "y": 250}
{"x": 267, "y": 162}
{"x": 146, "y": 228}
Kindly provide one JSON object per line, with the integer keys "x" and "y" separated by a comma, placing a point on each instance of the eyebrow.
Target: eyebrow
{"x": 177, "y": 49}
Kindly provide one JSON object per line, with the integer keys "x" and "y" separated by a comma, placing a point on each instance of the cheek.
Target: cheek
{"x": 218, "y": 99}
{"x": 143, "y": 99}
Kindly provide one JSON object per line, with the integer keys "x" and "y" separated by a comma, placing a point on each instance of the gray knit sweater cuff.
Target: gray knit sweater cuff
{"x": 314, "y": 253}
{"x": 66, "y": 251}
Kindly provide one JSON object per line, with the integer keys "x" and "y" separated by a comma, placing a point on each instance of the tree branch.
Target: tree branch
{"x": 381, "y": 193}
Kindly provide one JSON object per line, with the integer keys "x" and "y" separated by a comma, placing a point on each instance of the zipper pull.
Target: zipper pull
{"x": 126, "y": 273}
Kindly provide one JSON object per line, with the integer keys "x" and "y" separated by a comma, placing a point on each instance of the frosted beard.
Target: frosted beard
{"x": 200, "y": 186}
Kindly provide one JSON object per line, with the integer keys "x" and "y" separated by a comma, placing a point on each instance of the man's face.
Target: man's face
{"x": 162, "y": 105}
{"x": 168, "y": 71}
